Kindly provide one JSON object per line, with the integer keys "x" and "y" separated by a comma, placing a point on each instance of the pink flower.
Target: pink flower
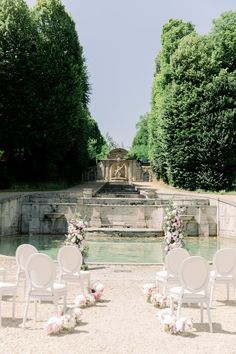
{"x": 97, "y": 295}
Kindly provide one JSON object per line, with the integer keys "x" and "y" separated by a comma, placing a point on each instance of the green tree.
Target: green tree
{"x": 223, "y": 36}
{"x": 172, "y": 34}
{"x": 96, "y": 142}
{"x": 61, "y": 146}
{"x": 191, "y": 68}
{"x": 18, "y": 38}
{"x": 139, "y": 148}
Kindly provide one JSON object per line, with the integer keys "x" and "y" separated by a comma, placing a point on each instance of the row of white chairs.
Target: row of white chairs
{"x": 39, "y": 273}
{"x": 189, "y": 279}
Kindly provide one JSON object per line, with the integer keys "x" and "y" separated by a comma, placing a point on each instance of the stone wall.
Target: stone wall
{"x": 226, "y": 219}
{"x": 10, "y": 216}
{"x": 47, "y": 213}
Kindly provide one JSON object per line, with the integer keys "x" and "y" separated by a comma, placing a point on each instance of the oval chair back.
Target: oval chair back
{"x": 194, "y": 274}
{"x": 224, "y": 261}
{"x": 40, "y": 271}
{"x": 23, "y": 252}
{"x": 70, "y": 259}
{"x": 174, "y": 260}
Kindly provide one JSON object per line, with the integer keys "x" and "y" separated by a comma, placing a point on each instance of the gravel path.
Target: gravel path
{"x": 123, "y": 323}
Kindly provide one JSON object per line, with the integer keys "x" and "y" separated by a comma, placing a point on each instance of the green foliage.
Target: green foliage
{"x": 223, "y": 36}
{"x": 46, "y": 129}
{"x": 96, "y": 142}
{"x": 139, "y": 149}
{"x": 17, "y": 83}
{"x": 192, "y": 125}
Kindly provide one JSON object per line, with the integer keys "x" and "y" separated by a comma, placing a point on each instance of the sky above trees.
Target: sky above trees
{"x": 121, "y": 40}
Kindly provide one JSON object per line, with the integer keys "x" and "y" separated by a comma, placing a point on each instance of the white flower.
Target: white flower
{"x": 148, "y": 288}
{"x": 68, "y": 322}
{"x": 99, "y": 287}
{"x": 80, "y": 301}
{"x": 77, "y": 314}
{"x": 90, "y": 300}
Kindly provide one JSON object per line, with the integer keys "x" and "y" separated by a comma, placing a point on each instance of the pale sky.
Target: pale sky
{"x": 121, "y": 39}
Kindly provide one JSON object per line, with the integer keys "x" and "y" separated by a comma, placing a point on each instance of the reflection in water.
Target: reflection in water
{"x": 117, "y": 250}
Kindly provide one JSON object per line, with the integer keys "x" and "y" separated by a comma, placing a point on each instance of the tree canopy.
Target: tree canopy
{"x": 192, "y": 123}
{"x": 46, "y": 127}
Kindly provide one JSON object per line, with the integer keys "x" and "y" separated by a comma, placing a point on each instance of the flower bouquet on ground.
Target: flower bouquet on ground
{"x": 94, "y": 295}
{"x": 76, "y": 236}
{"x": 148, "y": 289}
{"x": 172, "y": 325}
{"x": 173, "y": 228}
{"x": 97, "y": 291}
{"x": 160, "y": 301}
{"x": 65, "y": 322}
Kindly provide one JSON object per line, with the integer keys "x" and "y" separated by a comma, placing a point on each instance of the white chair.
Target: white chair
{"x": 194, "y": 280}
{"x": 41, "y": 275}
{"x": 7, "y": 289}
{"x": 70, "y": 261}
{"x": 169, "y": 275}
{"x": 23, "y": 252}
{"x": 223, "y": 270}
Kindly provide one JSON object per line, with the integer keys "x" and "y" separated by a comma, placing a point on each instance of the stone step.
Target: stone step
{"x": 124, "y": 232}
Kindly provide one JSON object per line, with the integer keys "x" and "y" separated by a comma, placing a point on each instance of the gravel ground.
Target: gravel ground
{"x": 123, "y": 323}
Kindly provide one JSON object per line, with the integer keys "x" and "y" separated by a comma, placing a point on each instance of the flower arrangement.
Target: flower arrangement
{"x": 65, "y": 322}
{"x": 97, "y": 290}
{"x": 94, "y": 295}
{"x": 173, "y": 325}
{"x": 148, "y": 289}
{"x": 160, "y": 301}
{"x": 76, "y": 233}
{"x": 173, "y": 228}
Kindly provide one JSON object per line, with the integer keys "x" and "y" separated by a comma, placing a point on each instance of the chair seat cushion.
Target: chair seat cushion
{"x": 74, "y": 277}
{"x": 219, "y": 277}
{"x": 58, "y": 289}
{"x": 162, "y": 275}
{"x": 6, "y": 287}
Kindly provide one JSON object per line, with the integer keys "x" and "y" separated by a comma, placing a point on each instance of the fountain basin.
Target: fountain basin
{"x": 53, "y": 216}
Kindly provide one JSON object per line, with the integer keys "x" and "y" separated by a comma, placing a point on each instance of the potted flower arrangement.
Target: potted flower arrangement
{"x": 76, "y": 234}
{"x": 173, "y": 228}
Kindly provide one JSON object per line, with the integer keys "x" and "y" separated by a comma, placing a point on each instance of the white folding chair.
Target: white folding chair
{"x": 224, "y": 262}
{"x": 70, "y": 261}
{"x": 194, "y": 280}
{"x": 23, "y": 252}
{"x": 41, "y": 275}
{"x": 7, "y": 289}
{"x": 169, "y": 275}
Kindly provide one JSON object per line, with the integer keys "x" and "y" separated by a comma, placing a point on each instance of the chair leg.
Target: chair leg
{"x": 201, "y": 309}
{"x": 227, "y": 287}
{"x": 35, "y": 310}
{"x": 17, "y": 278}
{"x": 211, "y": 294}
{"x": 13, "y": 305}
{"x": 164, "y": 289}
{"x": 65, "y": 303}
{"x": 82, "y": 284}
{"x": 26, "y": 311}
{"x": 172, "y": 305}
{"x": 179, "y": 309}
{"x": 55, "y": 301}
{"x": 209, "y": 317}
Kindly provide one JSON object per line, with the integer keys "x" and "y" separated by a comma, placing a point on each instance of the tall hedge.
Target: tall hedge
{"x": 45, "y": 123}
{"x": 18, "y": 38}
{"x": 192, "y": 124}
